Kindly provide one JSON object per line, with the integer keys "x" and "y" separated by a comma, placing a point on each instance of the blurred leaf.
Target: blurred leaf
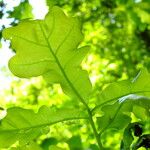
{"x": 94, "y": 147}
{"x": 54, "y": 148}
{"x": 47, "y": 142}
{"x": 22, "y": 11}
{"x": 30, "y": 146}
{"x": 127, "y": 138}
{"x": 143, "y": 141}
{"x": 141, "y": 112}
{"x": 75, "y": 143}
{"x": 49, "y": 48}
{"x": 24, "y": 125}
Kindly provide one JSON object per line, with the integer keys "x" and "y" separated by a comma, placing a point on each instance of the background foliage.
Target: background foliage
{"x": 118, "y": 33}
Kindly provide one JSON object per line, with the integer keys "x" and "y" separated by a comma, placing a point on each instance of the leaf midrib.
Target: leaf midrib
{"x": 43, "y": 125}
{"x": 62, "y": 70}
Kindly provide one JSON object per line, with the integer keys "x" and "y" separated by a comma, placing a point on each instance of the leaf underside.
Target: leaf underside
{"x": 123, "y": 90}
{"x": 49, "y": 48}
{"x": 119, "y": 99}
{"x": 24, "y": 125}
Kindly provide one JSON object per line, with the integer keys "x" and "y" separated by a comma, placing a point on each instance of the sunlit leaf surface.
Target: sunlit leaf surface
{"x": 24, "y": 125}
{"x": 50, "y": 48}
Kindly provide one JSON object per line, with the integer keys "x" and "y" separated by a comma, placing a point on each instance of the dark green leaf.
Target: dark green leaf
{"x": 75, "y": 143}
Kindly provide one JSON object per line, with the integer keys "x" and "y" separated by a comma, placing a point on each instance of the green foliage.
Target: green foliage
{"x": 143, "y": 141}
{"x": 128, "y": 135}
{"x": 24, "y": 125}
{"x": 50, "y": 48}
{"x": 140, "y": 85}
{"x": 53, "y": 52}
{"x": 30, "y": 146}
{"x": 127, "y": 138}
{"x": 117, "y": 31}
{"x": 22, "y": 11}
{"x": 48, "y": 142}
{"x": 55, "y": 148}
{"x": 129, "y": 96}
{"x": 75, "y": 143}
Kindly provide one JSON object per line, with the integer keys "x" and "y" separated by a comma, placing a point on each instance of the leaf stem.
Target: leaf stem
{"x": 94, "y": 130}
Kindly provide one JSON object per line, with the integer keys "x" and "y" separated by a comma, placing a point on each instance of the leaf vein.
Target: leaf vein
{"x": 53, "y": 26}
{"x": 66, "y": 37}
{"x": 42, "y": 45}
{"x": 63, "y": 71}
{"x": 44, "y": 124}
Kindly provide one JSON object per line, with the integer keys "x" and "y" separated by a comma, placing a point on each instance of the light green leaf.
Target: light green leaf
{"x": 138, "y": 88}
{"x": 30, "y": 146}
{"x": 54, "y": 148}
{"x": 24, "y": 125}
{"x": 49, "y": 48}
{"x": 22, "y": 11}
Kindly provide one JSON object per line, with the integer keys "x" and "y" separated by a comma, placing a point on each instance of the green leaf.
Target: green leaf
{"x": 54, "y": 148}
{"x": 30, "y": 146}
{"x": 94, "y": 147}
{"x": 127, "y": 138}
{"x": 114, "y": 117}
{"x": 141, "y": 112}
{"x": 23, "y": 11}
{"x": 24, "y": 125}
{"x": 123, "y": 90}
{"x": 118, "y": 115}
{"x": 48, "y": 142}
{"x": 49, "y": 48}
{"x": 75, "y": 143}
{"x": 129, "y": 97}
